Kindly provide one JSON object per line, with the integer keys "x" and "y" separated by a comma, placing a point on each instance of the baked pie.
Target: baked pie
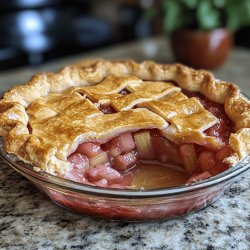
{"x": 119, "y": 124}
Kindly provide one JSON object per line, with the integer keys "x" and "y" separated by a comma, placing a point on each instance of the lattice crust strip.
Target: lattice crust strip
{"x": 164, "y": 99}
{"x": 53, "y": 104}
{"x": 145, "y": 91}
{"x": 107, "y": 92}
{"x": 187, "y": 117}
{"x": 91, "y": 125}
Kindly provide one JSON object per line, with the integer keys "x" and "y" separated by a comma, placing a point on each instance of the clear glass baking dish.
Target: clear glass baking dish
{"x": 129, "y": 205}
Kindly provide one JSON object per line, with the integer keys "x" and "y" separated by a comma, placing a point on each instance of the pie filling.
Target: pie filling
{"x": 146, "y": 159}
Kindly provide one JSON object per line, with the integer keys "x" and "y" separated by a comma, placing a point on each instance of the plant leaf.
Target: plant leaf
{"x": 190, "y": 3}
{"x": 172, "y": 18}
{"x": 219, "y": 3}
{"x": 238, "y": 14}
{"x": 207, "y": 15}
{"x": 176, "y": 15}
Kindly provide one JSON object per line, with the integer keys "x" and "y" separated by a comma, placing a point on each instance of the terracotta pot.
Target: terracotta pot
{"x": 202, "y": 49}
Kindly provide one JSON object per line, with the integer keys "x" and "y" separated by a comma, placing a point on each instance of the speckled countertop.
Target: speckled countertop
{"x": 28, "y": 220}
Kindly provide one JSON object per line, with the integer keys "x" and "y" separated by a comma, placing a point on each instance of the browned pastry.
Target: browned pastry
{"x": 45, "y": 120}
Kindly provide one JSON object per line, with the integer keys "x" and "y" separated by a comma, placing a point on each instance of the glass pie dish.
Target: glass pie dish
{"x": 129, "y": 205}
{"x": 98, "y": 133}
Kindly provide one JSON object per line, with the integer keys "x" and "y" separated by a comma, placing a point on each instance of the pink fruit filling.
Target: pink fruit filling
{"x": 107, "y": 109}
{"x": 133, "y": 160}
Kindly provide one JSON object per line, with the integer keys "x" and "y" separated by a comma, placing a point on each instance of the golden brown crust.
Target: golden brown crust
{"x": 14, "y": 118}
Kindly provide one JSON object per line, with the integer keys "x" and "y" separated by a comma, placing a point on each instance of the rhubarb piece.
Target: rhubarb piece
{"x": 80, "y": 164}
{"x": 76, "y": 175}
{"x": 127, "y": 143}
{"x": 206, "y": 160}
{"x": 79, "y": 161}
{"x": 101, "y": 183}
{"x": 127, "y": 178}
{"x": 198, "y": 177}
{"x": 123, "y": 162}
{"x": 89, "y": 149}
{"x": 219, "y": 168}
{"x": 144, "y": 145}
{"x": 164, "y": 151}
{"x": 120, "y": 145}
{"x": 224, "y": 127}
{"x": 188, "y": 156}
{"x": 99, "y": 159}
{"x": 103, "y": 172}
{"x": 113, "y": 147}
{"x": 159, "y": 153}
{"x": 171, "y": 150}
{"x": 223, "y": 153}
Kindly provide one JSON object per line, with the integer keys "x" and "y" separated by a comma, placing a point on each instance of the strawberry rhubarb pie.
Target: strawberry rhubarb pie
{"x": 120, "y": 124}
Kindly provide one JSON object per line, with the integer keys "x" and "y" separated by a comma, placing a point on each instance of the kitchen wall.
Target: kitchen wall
{"x": 35, "y": 31}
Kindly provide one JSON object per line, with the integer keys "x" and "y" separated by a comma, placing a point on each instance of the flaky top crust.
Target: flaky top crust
{"x": 30, "y": 148}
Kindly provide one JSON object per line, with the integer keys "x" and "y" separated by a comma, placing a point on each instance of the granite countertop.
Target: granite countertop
{"x": 28, "y": 220}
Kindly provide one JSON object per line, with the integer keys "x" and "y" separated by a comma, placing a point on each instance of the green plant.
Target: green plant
{"x": 205, "y": 14}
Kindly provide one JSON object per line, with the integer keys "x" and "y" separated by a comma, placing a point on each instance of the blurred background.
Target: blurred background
{"x": 37, "y": 31}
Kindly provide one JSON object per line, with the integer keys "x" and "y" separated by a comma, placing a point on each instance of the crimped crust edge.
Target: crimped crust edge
{"x": 31, "y": 149}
